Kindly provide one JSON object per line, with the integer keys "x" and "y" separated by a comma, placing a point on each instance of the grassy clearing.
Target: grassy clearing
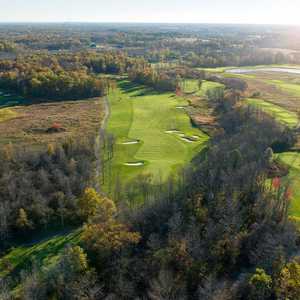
{"x": 140, "y": 114}
{"x": 292, "y": 159}
{"x": 45, "y": 253}
{"x": 282, "y": 115}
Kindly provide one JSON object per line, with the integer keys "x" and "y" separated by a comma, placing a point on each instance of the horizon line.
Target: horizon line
{"x": 149, "y": 23}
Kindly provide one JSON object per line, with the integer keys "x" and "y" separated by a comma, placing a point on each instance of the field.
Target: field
{"x": 153, "y": 132}
{"x": 25, "y": 123}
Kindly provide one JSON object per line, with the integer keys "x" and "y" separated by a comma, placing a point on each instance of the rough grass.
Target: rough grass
{"x": 138, "y": 113}
{"x": 7, "y": 114}
{"x": 292, "y": 159}
{"x": 27, "y": 125}
{"x": 282, "y": 115}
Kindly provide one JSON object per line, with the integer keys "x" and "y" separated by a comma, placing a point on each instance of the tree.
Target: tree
{"x": 106, "y": 235}
{"x": 89, "y": 203}
{"x": 260, "y": 285}
{"x": 200, "y": 83}
{"x": 288, "y": 285}
{"x": 22, "y": 220}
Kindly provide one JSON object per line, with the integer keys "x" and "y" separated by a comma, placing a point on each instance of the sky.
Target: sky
{"x": 166, "y": 11}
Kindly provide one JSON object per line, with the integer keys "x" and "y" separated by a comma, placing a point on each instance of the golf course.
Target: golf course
{"x": 153, "y": 133}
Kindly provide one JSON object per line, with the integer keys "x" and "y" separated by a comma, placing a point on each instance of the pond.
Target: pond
{"x": 270, "y": 69}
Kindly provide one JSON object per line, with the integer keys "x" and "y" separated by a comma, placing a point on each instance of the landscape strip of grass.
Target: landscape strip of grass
{"x": 284, "y": 116}
{"x": 191, "y": 86}
{"x": 292, "y": 160}
{"x": 148, "y": 117}
{"x": 45, "y": 253}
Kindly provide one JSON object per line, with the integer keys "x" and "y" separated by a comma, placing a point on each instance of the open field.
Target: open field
{"x": 282, "y": 115}
{"x": 27, "y": 124}
{"x": 153, "y": 132}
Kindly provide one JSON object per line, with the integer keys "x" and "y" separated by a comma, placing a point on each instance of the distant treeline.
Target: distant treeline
{"x": 57, "y": 77}
{"x": 77, "y": 76}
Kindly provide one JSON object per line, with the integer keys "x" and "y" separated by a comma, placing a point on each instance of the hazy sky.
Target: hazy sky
{"x": 188, "y": 11}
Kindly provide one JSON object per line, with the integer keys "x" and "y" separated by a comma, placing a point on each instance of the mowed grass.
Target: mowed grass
{"x": 292, "y": 159}
{"x": 279, "y": 113}
{"x": 45, "y": 253}
{"x": 292, "y": 88}
{"x": 191, "y": 86}
{"x": 140, "y": 114}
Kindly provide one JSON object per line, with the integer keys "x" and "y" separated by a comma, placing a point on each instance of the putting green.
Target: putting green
{"x": 279, "y": 113}
{"x": 191, "y": 86}
{"x": 166, "y": 138}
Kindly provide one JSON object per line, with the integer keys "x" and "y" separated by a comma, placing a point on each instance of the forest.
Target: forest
{"x": 180, "y": 190}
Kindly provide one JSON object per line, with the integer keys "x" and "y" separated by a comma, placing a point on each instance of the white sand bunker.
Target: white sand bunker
{"x": 131, "y": 142}
{"x": 134, "y": 164}
{"x": 180, "y": 107}
{"x": 174, "y": 131}
{"x": 187, "y": 139}
{"x": 196, "y": 137}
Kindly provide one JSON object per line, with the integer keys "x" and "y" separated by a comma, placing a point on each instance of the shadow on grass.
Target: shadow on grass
{"x": 12, "y": 101}
{"x": 23, "y": 258}
{"x": 138, "y": 89}
{"x": 129, "y": 87}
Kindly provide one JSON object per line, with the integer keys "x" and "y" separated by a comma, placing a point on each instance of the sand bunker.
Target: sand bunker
{"x": 131, "y": 142}
{"x": 134, "y": 164}
{"x": 174, "y": 131}
{"x": 180, "y": 107}
{"x": 186, "y": 139}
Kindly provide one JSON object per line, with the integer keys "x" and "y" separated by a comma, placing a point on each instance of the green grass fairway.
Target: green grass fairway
{"x": 292, "y": 159}
{"x": 190, "y": 86}
{"x": 45, "y": 252}
{"x": 291, "y": 88}
{"x": 282, "y": 115}
{"x": 140, "y": 114}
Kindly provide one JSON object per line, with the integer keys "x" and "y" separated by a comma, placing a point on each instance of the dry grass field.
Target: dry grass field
{"x": 32, "y": 124}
